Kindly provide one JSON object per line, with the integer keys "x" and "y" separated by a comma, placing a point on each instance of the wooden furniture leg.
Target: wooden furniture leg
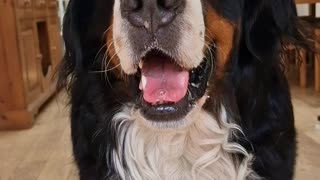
{"x": 303, "y": 68}
{"x": 317, "y": 72}
{"x": 317, "y": 63}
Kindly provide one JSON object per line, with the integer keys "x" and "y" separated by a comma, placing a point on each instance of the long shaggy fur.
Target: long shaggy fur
{"x": 244, "y": 131}
{"x": 200, "y": 152}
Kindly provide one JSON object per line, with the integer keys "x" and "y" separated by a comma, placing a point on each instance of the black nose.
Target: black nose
{"x": 151, "y": 14}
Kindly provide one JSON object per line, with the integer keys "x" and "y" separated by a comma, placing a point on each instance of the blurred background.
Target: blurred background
{"x": 34, "y": 122}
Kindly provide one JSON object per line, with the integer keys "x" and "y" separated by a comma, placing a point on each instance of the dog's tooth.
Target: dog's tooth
{"x": 144, "y": 82}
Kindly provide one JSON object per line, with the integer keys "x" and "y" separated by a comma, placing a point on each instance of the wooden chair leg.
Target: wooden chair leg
{"x": 317, "y": 72}
{"x": 303, "y": 68}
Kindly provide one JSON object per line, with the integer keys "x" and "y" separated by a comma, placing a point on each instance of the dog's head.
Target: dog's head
{"x": 174, "y": 47}
{"x": 177, "y": 51}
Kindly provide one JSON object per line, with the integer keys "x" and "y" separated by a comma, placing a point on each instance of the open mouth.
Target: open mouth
{"x": 169, "y": 91}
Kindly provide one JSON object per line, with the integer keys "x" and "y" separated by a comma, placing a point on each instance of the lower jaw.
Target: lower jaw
{"x": 166, "y": 113}
{"x": 171, "y": 123}
{"x": 163, "y": 125}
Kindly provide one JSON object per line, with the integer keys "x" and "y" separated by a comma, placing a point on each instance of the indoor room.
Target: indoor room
{"x": 159, "y": 89}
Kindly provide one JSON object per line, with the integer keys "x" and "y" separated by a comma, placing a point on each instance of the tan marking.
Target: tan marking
{"x": 221, "y": 31}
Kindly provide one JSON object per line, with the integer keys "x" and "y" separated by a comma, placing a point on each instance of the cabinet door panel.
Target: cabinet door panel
{"x": 4, "y": 79}
{"x": 30, "y": 64}
{"x": 53, "y": 8}
{"x": 55, "y": 44}
{"x": 40, "y": 3}
{"x": 24, "y": 3}
{"x": 24, "y": 9}
{"x": 40, "y": 8}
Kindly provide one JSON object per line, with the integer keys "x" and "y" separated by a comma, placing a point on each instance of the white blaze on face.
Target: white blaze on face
{"x": 193, "y": 35}
{"x": 189, "y": 48}
{"x": 121, "y": 40}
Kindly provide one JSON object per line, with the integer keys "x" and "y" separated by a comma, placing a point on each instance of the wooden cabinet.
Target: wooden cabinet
{"x": 30, "y": 52}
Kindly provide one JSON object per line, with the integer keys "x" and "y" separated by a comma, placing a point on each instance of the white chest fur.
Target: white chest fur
{"x": 202, "y": 151}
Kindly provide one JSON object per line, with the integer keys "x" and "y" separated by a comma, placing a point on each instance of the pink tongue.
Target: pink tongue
{"x": 163, "y": 81}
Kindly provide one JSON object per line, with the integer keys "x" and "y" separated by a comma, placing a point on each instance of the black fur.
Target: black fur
{"x": 254, "y": 87}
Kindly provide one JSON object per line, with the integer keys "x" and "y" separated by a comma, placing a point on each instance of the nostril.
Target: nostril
{"x": 132, "y": 10}
{"x": 168, "y": 9}
{"x": 170, "y": 4}
{"x": 136, "y": 19}
{"x": 167, "y": 18}
{"x": 162, "y": 3}
{"x": 132, "y": 5}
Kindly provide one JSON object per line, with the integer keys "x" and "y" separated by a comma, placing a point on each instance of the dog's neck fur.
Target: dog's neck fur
{"x": 202, "y": 151}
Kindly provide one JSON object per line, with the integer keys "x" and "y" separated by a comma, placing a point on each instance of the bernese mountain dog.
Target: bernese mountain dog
{"x": 181, "y": 89}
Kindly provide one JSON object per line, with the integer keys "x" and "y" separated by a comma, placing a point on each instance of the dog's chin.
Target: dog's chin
{"x": 166, "y": 116}
{"x": 177, "y": 124}
{"x": 171, "y": 112}
{"x": 173, "y": 119}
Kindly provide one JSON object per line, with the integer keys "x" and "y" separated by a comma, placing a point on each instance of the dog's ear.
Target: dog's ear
{"x": 68, "y": 63}
{"x": 268, "y": 24}
{"x": 73, "y": 35}
{"x": 83, "y": 32}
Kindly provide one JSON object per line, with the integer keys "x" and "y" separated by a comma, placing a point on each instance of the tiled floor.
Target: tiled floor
{"x": 44, "y": 152}
{"x": 307, "y": 108}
